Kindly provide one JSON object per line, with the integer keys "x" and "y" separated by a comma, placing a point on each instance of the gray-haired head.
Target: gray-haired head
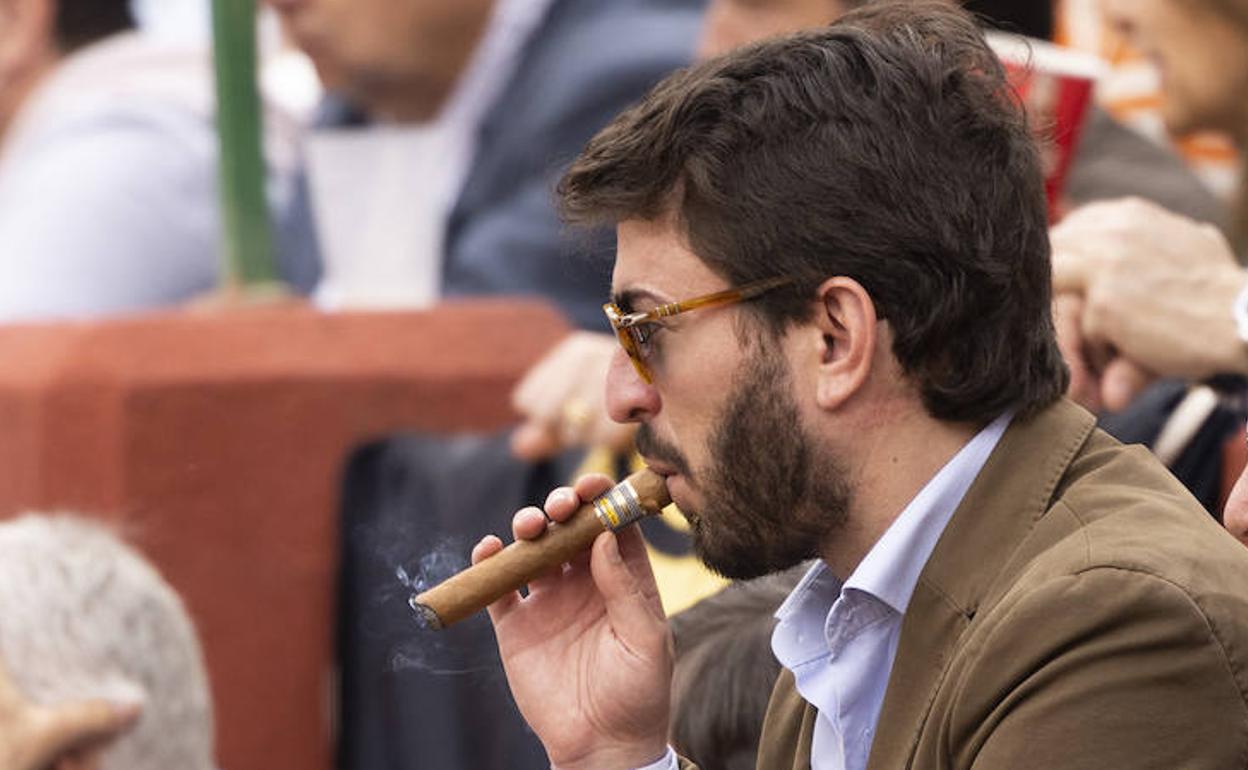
{"x": 82, "y": 616}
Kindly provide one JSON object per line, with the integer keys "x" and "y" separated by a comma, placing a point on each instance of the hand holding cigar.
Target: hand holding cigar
{"x": 589, "y": 644}
{"x": 643, "y": 493}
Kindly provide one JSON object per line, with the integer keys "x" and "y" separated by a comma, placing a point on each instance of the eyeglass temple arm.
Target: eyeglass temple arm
{"x": 725, "y": 297}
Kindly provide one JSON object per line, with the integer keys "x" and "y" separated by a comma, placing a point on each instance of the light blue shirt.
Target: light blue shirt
{"x": 839, "y": 640}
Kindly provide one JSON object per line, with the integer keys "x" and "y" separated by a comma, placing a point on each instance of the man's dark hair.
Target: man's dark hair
{"x": 82, "y": 22}
{"x": 886, "y": 147}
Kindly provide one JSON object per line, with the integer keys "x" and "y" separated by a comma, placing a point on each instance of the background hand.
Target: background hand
{"x": 1155, "y": 291}
{"x": 587, "y": 653}
{"x": 562, "y": 400}
{"x": 33, "y": 737}
{"x": 1085, "y": 377}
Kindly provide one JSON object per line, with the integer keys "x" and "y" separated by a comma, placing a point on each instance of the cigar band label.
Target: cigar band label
{"x": 618, "y": 507}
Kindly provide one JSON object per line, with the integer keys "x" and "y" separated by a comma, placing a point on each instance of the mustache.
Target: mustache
{"x": 655, "y": 448}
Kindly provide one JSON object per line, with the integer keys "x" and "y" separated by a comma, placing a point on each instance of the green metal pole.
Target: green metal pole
{"x": 247, "y": 242}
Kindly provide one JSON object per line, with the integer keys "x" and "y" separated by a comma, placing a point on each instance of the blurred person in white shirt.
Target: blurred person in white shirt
{"x": 108, "y": 164}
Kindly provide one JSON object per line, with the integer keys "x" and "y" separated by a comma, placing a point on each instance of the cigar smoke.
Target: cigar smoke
{"x": 405, "y": 555}
{"x": 422, "y": 648}
{"x": 432, "y": 568}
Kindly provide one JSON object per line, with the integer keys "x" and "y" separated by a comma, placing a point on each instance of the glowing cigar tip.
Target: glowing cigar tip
{"x": 424, "y": 614}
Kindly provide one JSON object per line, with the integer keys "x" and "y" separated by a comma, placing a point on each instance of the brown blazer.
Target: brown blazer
{"x": 1081, "y": 610}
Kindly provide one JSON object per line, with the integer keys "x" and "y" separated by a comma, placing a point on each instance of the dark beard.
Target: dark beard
{"x": 771, "y": 499}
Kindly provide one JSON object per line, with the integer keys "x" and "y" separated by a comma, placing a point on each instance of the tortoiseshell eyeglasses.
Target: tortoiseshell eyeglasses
{"x": 635, "y": 329}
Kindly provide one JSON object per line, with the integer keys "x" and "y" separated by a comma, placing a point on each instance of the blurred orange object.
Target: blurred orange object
{"x": 1056, "y": 85}
{"x": 1131, "y": 93}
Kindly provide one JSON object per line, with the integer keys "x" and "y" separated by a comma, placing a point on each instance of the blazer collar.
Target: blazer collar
{"x": 1009, "y": 496}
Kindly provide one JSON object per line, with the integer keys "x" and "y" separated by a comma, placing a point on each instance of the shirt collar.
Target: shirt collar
{"x": 799, "y": 636}
{"x": 817, "y": 582}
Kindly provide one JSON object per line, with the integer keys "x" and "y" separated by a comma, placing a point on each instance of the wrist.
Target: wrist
{"x": 623, "y": 757}
{"x": 668, "y": 761}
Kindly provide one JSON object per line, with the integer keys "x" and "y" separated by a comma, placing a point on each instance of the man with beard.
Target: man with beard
{"x": 832, "y": 295}
{"x": 1111, "y": 161}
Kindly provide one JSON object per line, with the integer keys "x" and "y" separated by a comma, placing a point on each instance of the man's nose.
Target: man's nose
{"x": 629, "y": 398}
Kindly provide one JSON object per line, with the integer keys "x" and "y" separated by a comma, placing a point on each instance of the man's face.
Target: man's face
{"x": 722, "y": 419}
{"x": 730, "y": 24}
{"x": 1201, "y": 56}
{"x": 397, "y": 58}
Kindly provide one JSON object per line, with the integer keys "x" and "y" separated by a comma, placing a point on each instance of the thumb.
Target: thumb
{"x": 71, "y": 726}
{"x": 1085, "y": 385}
{"x": 621, "y": 571}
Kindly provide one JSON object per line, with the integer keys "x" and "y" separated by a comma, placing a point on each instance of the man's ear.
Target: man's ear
{"x": 846, "y": 320}
{"x": 26, "y": 35}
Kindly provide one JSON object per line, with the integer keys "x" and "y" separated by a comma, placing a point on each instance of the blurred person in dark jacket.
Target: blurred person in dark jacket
{"x": 507, "y": 91}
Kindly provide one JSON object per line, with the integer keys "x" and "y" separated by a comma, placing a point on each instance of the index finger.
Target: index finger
{"x": 592, "y": 485}
{"x": 528, "y": 523}
{"x": 562, "y": 502}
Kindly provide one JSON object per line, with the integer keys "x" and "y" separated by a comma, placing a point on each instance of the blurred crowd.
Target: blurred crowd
{"x": 411, "y": 150}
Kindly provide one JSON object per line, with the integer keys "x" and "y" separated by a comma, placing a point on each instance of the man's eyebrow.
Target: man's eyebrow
{"x": 628, "y": 299}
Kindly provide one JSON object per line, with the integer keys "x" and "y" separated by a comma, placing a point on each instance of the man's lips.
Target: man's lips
{"x": 662, "y": 469}
{"x": 672, "y": 478}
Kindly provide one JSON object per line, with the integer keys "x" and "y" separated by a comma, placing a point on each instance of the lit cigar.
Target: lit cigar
{"x": 641, "y": 494}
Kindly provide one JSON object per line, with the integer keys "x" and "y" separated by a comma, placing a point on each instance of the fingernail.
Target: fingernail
{"x": 613, "y": 550}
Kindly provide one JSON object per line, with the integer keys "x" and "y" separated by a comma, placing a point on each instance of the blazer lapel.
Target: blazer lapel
{"x": 1008, "y": 497}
